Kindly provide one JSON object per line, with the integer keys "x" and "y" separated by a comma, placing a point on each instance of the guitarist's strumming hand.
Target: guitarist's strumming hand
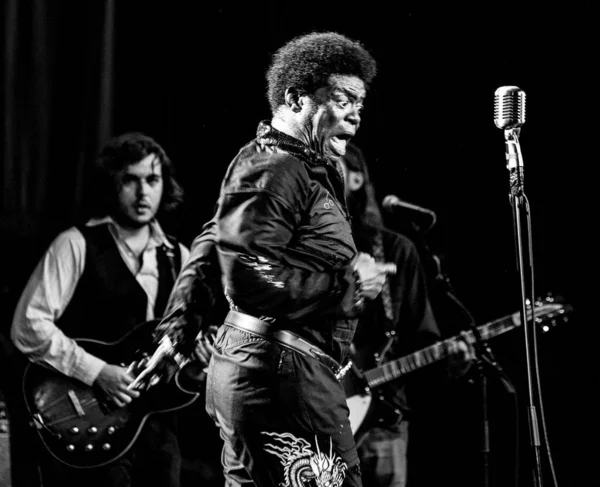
{"x": 114, "y": 380}
{"x": 372, "y": 274}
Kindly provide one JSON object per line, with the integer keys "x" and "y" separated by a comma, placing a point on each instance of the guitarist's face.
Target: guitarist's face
{"x": 139, "y": 190}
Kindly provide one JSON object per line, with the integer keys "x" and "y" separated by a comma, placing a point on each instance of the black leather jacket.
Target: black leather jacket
{"x": 284, "y": 242}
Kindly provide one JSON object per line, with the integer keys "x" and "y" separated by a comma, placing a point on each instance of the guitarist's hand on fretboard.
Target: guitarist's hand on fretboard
{"x": 114, "y": 381}
{"x": 461, "y": 355}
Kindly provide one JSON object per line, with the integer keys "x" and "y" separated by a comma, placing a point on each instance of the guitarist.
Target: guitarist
{"x": 98, "y": 281}
{"x": 399, "y": 321}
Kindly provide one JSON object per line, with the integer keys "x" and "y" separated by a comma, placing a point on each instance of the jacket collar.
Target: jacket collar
{"x": 269, "y": 138}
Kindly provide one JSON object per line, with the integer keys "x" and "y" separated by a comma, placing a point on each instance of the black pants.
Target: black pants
{"x": 282, "y": 416}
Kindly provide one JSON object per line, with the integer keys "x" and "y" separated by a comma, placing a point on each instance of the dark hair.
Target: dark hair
{"x": 121, "y": 151}
{"x": 362, "y": 203}
{"x": 306, "y": 63}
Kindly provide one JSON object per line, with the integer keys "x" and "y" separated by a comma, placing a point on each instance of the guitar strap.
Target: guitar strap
{"x": 386, "y": 298}
{"x": 169, "y": 263}
{"x": 171, "y": 258}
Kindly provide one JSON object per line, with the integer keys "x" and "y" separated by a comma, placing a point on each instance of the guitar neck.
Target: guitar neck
{"x": 438, "y": 351}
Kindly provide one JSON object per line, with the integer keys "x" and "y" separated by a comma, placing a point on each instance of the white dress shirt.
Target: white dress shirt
{"x": 52, "y": 285}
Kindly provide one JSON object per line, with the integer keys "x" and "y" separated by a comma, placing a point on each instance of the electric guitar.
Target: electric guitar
{"x": 79, "y": 425}
{"x": 368, "y": 409}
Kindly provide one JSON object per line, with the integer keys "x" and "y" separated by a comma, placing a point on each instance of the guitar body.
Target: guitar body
{"x": 77, "y": 424}
{"x": 368, "y": 408}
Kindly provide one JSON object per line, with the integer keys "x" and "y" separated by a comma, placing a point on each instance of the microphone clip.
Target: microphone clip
{"x": 514, "y": 160}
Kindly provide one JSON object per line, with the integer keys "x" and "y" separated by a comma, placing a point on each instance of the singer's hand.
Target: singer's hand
{"x": 372, "y": 274}
{"x": 114, "y": 380}
{"x": 204, "y": 345}
{"x": 154, "y": 367}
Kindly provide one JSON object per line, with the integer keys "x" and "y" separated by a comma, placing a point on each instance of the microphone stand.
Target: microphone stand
{"x": 483, "y": 354}
{"x": 484, "y": 357}
{"x": 519, "y": 206}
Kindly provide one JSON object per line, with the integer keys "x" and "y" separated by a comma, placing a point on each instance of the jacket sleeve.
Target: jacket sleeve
{"x": 196, "y": 300}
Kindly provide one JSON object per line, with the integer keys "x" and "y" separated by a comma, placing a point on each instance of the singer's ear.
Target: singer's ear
{"x": 293, "y": 99}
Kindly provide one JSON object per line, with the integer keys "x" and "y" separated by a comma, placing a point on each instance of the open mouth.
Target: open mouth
{"x": 339, "y": 143}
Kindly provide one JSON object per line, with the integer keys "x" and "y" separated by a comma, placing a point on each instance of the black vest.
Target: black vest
{"x": 108, "y": 301}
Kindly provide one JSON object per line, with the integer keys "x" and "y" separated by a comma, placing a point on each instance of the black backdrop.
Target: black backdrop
{"x": 192, "y": 76}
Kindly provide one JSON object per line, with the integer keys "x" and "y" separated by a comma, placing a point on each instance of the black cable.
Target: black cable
{"x": 535, "y": 349}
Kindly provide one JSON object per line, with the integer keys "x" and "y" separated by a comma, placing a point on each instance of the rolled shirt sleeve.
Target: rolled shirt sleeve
{"x": 44, "y": 299}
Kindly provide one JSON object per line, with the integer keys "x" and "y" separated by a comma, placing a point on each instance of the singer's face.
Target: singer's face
{"x": 331, "y": 116}
{"x": 139, "y": 189}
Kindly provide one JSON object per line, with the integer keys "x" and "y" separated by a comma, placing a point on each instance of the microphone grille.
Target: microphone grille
{"x": 509, "y": 107}
{"x": 389, "y": 201}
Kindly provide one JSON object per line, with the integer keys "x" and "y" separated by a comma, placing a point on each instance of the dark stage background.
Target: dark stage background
{"x": 191, "y": 75}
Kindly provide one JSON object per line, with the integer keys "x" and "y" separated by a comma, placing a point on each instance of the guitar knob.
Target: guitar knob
{"x": 89, "y": 447}
{"x": 70, "y": 447}
{"x": 92, "y": 430}
{"x": 106, "y": 446}
{"x": 74, "y": 430}
{"x": 111, "y": 430}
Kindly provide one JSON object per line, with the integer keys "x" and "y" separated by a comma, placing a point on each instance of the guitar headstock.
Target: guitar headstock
{"x": 549, "y": 311}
